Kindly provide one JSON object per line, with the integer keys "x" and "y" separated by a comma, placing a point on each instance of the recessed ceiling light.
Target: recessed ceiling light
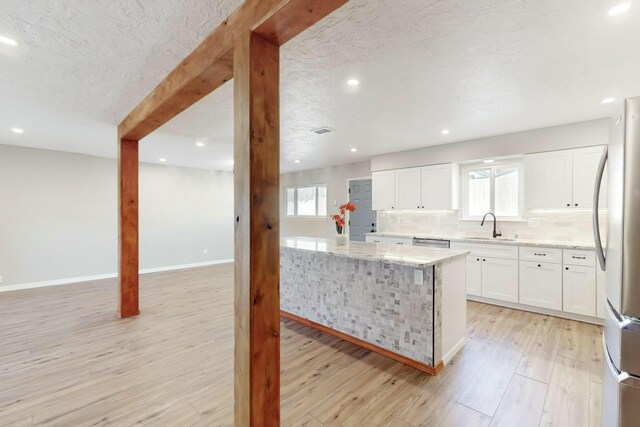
{"x": 17, "y": 130}
{"x": 619, "y": 9}
{"x": 353, "y": 150}
{"x": 7, "y": 40}
{"x": 353, "y": 82}
{"x": 199, "y": 144}
{"x": 321, "y": 131}
{"x": 162, "y": 159}
{"x": 445, "y": 131}
{"x": 607, "y": 100}
{"x": 296, "y": 161}
{"x": 489, "y": 161}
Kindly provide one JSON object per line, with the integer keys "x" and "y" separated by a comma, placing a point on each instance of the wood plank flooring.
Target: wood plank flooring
{"x": 66, "y": 360}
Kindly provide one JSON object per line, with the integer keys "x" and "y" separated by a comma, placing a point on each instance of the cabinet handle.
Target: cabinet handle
{"x": 418, "y": 207}
{"x": 478, "y": 259}
{"x": 539, "y": 265}
{"x": 578, "y": 257}
{"x": 576, "y": 204}
{"x": 537, "y": 254}
{"x": 568, "y": 204}
{"x": 484, "y": 260}
{"x": 423, "y": 207}
{"x": 566, "y": 268}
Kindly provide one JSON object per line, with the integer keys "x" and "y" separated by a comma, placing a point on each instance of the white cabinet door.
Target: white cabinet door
{"x": 440, "y": 185}
{"x": 383, "y": 195}
{"x": 541, "y": 284}
{"x": 585, "y": 167}
{"x": 549, "y": 180}
{"x": 579, "y": 290}
{"x": 500, "y": 279}
{"x": 408, "y": 189}
{"x": 474, "y": 275}
{"x": 600, "y": 292}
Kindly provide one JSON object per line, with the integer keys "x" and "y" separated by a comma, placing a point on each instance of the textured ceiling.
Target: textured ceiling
{"x": 479, "y": 68}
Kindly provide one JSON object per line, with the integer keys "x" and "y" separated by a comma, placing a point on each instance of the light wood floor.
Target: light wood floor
{"x": 66, "y": 360}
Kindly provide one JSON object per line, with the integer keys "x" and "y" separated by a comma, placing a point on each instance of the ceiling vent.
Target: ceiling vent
{"x": 321, "y": 131}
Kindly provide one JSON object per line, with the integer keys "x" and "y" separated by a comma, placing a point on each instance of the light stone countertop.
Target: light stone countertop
{"x": 498, "y": 241}
{"x": 393, "y": 254}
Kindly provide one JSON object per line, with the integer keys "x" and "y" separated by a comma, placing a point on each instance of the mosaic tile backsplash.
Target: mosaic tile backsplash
{"x": 374, "y": 301}
{"x": 565, "y": 226}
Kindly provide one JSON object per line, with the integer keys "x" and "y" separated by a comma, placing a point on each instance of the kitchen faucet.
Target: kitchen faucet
{"x": 495, "y": 233}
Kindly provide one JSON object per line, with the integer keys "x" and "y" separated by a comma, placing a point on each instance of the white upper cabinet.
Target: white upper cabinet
{"x": 408, "y": 192}
{"x": 421, "y": 188}
{"x": 563, "y": 179}
{"x": 440, "y": 187}
{"x": 548, "y": 180}
{"x": 384, "y": 190}
{"x": 585, "y": 168}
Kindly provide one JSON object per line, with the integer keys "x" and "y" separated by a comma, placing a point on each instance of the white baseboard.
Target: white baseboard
{"x": 540, "y": 310}
{"x": 183, "y": 266}
{"x": 456, "y": 348}
{"x": 71, "y": 280}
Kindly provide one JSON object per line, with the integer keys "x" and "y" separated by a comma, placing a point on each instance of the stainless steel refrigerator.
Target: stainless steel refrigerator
{"x": 621, "y": 261}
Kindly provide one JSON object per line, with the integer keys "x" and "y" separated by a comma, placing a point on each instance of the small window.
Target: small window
{"x": 306, "y": 201}
{"x": 496, "y": 189}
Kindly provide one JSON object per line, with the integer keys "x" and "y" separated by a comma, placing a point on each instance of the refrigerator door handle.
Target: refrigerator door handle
{"x": 619, "y": 375}
{"x": 622, "y": 322}
{"x": 596, "y": 207}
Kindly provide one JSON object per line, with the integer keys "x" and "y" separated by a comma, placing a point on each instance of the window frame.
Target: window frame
{"x": 481, "y": 166}
{"x": 295, "y": 201}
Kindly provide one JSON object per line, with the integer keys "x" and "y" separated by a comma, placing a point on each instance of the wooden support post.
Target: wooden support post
{"x": 257, "y": 231}
{"x": 128, "y": 227}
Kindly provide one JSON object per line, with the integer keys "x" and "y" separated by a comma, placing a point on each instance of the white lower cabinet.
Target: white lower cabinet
{"x": 500, "y": 279}
{"x": 474, "y": 275}
{"x": 541, "y": 284}
{"x": 579, "y": 290}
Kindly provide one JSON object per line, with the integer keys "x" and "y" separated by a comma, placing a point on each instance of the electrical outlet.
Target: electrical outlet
{"x": 206, "y": 251}
{"x": 418, "y": 277}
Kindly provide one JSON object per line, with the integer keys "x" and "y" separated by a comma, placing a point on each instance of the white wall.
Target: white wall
{"x": 337, "y": 180}
{"x": 594, "y": 132}
{"x": 58, "y": 215}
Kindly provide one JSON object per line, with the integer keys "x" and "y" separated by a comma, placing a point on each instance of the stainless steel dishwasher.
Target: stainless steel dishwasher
{"x": 431, "y": 243}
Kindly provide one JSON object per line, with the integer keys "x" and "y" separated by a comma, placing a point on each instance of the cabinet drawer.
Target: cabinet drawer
{"x": 372, "y": 239}
{"x": 541, "y": 254}
{"x": 578, "y": 257}
{"x": 491, "y": 251}
{"x": 399, "y": 241}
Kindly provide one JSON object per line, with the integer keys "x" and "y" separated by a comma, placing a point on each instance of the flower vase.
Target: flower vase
{"x": 341, "y": 239}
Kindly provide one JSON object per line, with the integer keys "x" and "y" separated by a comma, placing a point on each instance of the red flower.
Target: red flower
{"x": 339, "y": 219}
{"x": 348, "y": 206}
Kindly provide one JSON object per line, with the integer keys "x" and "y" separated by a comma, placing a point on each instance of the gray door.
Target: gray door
{"x": 363, "y": 220}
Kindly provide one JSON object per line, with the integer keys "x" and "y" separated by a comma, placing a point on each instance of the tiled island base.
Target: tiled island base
{"x": 392, "y": 305}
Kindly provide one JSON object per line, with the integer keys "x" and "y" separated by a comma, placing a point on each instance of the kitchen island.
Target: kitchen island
{"x": 408, "y": 303}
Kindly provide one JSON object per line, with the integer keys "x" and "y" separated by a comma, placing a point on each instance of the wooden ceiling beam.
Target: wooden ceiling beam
{"x": 210, "y": 65}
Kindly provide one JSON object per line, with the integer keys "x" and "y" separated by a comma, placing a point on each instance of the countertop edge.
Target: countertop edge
{"x": 488, "y": 241}
{"x": 457, "y": 254}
